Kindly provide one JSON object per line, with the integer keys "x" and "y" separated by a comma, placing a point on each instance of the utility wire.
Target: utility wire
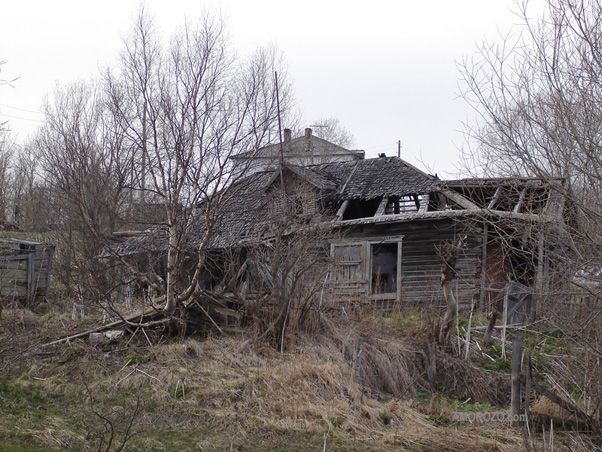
{"x": 21, "y": 109}
{"x": 19, "y": 117}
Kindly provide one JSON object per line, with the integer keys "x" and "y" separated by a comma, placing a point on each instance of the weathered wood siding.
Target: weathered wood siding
{"x": 422, "y": 263}
{"x": 420, "y": 275}
{"x": 24, "y": 270}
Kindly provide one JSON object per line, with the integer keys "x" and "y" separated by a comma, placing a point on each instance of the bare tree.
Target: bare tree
{"x": 537, "y": 95}
{"x": 330, "y": 129}
{"x": 5, "y": 158}
{"x": 539, "y": 101}
{"x": 86, "y": 174}
{"x": 6, "y": 154}
{"x": 290, "y": 266}
{"x": 4, "y": 81}
{"x": 161, "y": 128}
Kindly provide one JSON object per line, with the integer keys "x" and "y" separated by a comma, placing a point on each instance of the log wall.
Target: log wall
{"x": 24, "y": 270}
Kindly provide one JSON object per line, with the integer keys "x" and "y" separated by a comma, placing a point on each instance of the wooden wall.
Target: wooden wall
{"x": 420, "y": 261}
{"x": 24, "y": 270}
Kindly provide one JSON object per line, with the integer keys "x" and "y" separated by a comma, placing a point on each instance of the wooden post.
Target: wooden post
{"x": 528, "y": 379}
{"x": 483, "y": 267}
{"x": 505, "y": 324}
{"x": 539, "y": 279}
{"x": 515, "y": 395}
{"x": 468, "y": 330}
{"x": 517, "y": 319}
{"x": 30, "y": 278}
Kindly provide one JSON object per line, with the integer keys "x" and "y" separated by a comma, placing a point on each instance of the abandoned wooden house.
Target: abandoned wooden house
{"x": 24, "y": 270}
{"x": 390, "y": 222}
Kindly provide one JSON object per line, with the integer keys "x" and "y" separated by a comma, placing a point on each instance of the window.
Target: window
{"x": 368, "y": 270}
{"x": 385, "y": 269}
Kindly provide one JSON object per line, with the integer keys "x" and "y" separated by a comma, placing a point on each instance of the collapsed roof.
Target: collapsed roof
{"x": 370, "y": 191}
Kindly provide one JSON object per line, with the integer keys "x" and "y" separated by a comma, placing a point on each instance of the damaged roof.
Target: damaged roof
{"x": 247, "y": 213}
{"x": 375, "y": 178}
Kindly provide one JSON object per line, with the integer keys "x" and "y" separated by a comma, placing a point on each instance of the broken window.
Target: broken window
{"x": 505, "y": 198}
{"x": 370, "y": 268}
{"x": 402, "y": 204}
{"x": 535, "y": 200}
{"x": 385, "y": 261}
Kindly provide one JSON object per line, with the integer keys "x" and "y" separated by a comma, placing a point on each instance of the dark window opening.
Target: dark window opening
{"x": 436, "y": 202}
{"x": 361, "y": 208}
{"x": 384, "y": 268}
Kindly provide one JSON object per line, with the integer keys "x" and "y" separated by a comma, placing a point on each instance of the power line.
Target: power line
{"x": 22, "y": 109}
{"x": 19, "y": 117}
{"x": 381, "y": 146}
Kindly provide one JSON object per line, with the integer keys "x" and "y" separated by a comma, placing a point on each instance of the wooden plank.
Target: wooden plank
{"x": 11, "y": 292}
{"x": 30, "y": 278}
{"x": 9, "y": 274}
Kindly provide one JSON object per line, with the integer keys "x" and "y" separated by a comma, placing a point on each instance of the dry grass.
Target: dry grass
{"x": 313, "y": 388}
{"x": 355, "y": 385}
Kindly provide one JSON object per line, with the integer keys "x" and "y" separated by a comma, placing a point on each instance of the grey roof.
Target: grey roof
{"x": 374, "y": 178}
{"x": 246, "y": 213}
{"x": 497, "y": 181}
{"x": 298, "y": 147}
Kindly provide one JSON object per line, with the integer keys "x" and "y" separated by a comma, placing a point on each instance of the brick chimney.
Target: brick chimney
{"x": 288, "y": 136}
{"x": 308, "y": 139}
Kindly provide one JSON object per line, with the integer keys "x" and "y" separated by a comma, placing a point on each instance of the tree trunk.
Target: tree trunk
{"x": 171, "y": 284}
{"x": 450, "y": 313}
{"x": 448, "y": 273}
{"x": 492, "y": 319}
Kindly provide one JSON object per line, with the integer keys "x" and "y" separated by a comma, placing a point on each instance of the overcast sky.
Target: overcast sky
{"x": 386, "y": 69}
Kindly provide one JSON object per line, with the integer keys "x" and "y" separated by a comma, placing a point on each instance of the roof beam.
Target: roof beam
{"x": 460, "y": 200}
{"x": 342, "y": 209}
{"x": 496, "y": 195}
{"x": 521, "y": 199}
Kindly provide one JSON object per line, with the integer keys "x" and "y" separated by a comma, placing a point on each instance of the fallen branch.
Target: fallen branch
{"x": 564, "y": 404}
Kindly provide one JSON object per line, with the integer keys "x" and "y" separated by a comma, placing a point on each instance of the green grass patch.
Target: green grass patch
{"x": 439, "y": 420}
{"x": 337, "y": 421}
{"x": 132, "y": 360}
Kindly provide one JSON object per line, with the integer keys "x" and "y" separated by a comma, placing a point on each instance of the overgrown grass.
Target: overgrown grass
{"x": 218, "y": 395}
